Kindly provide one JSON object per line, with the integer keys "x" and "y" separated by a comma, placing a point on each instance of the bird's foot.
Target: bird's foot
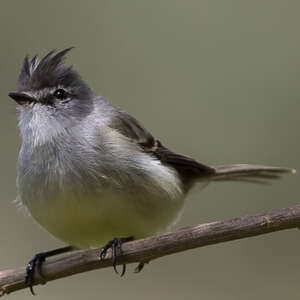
{"x": 116, "y": 249}
{"x": 35, "y": 265}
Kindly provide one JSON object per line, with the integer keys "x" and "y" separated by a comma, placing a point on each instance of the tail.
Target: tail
{"x": 248, "y": 173}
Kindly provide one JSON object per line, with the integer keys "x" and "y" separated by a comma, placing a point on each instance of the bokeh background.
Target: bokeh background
{"x": 216, "y": 80}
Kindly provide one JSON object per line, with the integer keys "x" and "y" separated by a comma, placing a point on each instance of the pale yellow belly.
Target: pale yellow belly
{"x": 92, "y": 222}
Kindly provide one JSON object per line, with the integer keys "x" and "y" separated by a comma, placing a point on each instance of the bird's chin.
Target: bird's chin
{"x": 33, "y": 112}
{"x": 27, "y": 104}
{"x": 26, "y": 107}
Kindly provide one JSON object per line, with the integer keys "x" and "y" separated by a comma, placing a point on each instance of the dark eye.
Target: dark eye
{"x": 61, "y": 94}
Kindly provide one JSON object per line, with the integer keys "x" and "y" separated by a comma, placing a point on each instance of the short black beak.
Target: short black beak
{"x": 22, "y": 98}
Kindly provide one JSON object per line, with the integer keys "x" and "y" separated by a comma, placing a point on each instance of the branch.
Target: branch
{"x": 154, "y": 247}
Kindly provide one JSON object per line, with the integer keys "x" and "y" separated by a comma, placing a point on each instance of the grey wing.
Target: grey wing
{"x": 187, "y": 168}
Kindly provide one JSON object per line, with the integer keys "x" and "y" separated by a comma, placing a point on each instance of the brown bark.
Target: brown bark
{"x": 157, "y": 246}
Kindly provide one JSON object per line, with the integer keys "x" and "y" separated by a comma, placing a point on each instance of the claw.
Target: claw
{"x": 35, "y": 264}
{"x": 116, "y": 249}
{"x": 139, "y": 267}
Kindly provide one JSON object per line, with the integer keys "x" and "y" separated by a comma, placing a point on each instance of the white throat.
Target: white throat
{"x": 38, "y": 125}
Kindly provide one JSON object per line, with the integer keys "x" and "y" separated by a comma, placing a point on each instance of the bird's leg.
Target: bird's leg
{"x": 116, "y": 249}
{"x": 36, "y": 262}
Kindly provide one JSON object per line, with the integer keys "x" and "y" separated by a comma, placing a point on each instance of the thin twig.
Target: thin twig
{"x": 157, "y": 246}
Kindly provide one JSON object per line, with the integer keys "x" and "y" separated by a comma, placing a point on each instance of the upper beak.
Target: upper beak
{"x": 22, "y": 98}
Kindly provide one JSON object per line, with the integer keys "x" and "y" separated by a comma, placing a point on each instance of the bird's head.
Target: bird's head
{"x": 52, "y": 98}
{"x": 47, "y": 86}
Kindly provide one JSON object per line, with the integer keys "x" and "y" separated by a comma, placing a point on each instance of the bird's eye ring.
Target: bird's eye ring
{"x": 61, "y": 94}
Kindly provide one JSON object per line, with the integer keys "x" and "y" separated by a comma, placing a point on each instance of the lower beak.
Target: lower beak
{"x": 22, "y": 98}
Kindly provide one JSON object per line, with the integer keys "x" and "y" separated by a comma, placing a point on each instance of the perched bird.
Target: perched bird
{"x": 89, "y": 173}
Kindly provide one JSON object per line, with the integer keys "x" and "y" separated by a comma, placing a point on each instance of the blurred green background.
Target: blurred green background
{"x": 216, "y": 80}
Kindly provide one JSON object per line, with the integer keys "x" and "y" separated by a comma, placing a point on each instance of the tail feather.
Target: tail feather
{"x": 249, "y": 173}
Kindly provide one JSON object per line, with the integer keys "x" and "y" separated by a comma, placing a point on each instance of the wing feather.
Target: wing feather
{"x": 188, "y": 168}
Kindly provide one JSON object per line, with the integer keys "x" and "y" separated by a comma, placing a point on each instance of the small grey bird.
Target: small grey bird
{"x": 89, "y": 173}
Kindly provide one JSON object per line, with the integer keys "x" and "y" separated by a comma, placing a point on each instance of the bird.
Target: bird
{"x": 90, "y": 173}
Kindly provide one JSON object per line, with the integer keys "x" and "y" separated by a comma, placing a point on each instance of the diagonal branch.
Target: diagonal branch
{"x": 157, "y": 246}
